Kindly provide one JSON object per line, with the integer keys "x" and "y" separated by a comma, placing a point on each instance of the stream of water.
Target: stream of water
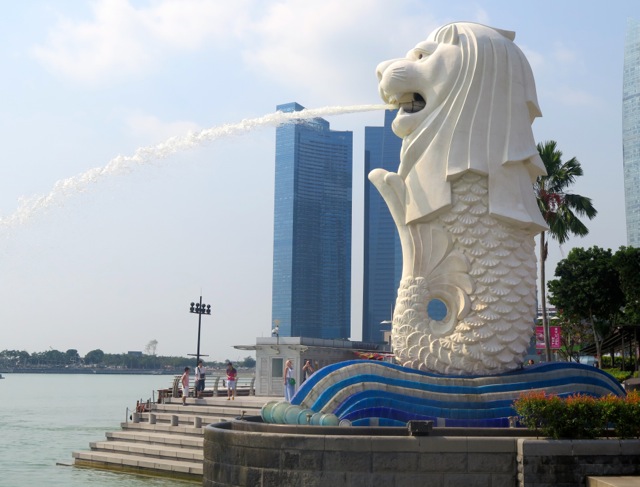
{"x": 65, "y": 188}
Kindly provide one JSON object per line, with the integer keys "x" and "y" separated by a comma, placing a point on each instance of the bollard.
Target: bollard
{"x": 136, "y": 417}
{"x": 197, "y": 422}
{"x": 174, "y": 420}
{"x": 152, "y": 418}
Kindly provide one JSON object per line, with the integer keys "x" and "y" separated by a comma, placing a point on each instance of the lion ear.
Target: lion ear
{"x": 449, "y": 35}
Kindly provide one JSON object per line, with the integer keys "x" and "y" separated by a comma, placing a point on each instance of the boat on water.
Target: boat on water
{"x": 1, "y": 376}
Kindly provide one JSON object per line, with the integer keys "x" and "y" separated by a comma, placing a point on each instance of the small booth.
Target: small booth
{"x": 273, "y": 352}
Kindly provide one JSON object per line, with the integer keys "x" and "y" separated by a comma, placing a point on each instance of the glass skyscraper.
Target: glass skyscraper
{"x": 312, "y": 229}
{"x": 631, "y": 131}
{"x": 382, "y": 251}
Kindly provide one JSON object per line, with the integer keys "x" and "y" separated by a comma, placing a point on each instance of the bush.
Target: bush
{"x": 619, "y": 375}
{"x": 627, "y": 422}
{"x": 607, "y": 363}
{"x": 580, "y": 416}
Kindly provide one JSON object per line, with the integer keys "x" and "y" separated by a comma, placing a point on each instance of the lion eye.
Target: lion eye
{"x": 421, "y": 54}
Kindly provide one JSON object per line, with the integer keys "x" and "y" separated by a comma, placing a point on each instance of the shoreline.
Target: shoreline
{"x": 89, "y": 371}
{"x": 105, "y": 371}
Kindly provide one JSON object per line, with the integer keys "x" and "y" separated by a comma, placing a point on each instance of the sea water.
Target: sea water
{"x": 46, "y": 417}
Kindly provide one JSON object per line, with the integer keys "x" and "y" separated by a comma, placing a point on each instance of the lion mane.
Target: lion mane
{"x": 483, "y": 126}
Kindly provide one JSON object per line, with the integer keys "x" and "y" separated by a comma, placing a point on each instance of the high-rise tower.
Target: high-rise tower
{"x": 382, "y": 252}
{"x": 312, "y": 229}
{"x": 631, "y": 131}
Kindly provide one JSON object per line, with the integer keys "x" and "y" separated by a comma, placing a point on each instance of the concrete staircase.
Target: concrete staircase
{"x": 167, "y": 440}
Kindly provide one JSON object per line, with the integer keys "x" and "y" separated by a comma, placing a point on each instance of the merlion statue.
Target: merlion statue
{"x": 463, "y": 200}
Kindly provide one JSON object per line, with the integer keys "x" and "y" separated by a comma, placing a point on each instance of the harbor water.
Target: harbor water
{"x": 46, "y": 417}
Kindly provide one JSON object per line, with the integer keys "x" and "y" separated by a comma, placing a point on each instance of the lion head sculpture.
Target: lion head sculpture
{"x": 467, "y": 99}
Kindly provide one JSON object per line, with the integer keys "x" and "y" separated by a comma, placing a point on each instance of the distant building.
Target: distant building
{"x": 382, "y": 251}
{"x": 312, "y": 229}
{"x": 631, "y": 131}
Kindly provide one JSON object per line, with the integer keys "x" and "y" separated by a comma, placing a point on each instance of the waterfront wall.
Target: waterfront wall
{"x": 252, "y": 454}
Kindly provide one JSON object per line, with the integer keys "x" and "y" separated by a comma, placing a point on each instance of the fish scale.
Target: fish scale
{"x": 495, "y": 332}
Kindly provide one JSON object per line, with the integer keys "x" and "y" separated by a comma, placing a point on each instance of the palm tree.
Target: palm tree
{"x": 559, "y": 210}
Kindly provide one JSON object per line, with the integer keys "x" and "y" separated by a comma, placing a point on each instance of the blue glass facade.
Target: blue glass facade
{"x": 382, "y": 251}
{"x": 312, "y": 229}
{"x": 631, "y": 131}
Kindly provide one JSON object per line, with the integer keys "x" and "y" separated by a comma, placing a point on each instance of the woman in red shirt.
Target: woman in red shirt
{"x": 232, "y": 375}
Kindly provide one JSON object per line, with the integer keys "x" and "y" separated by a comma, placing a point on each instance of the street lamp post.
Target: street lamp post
{"x": 200, "y": 309}
{"x": 384, "y": 330}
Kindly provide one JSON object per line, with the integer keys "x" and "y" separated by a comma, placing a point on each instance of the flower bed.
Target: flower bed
{"x": 580, "y": 416}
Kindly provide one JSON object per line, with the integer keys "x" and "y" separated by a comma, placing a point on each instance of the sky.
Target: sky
{"x": 116, "y": 265}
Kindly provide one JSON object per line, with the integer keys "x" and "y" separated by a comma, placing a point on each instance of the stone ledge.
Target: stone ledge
{"x": 613, "y": 481}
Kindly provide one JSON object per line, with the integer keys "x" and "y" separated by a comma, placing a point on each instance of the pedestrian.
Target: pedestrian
{"x": 199, "y": 379}
{"x": 307, "y": 370}
{"x": 232, "y": 376}
{"x": 289, "y": 381}
{"x": 184, "y": 380}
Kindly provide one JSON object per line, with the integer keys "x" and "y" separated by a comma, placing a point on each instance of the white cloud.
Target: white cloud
{"x": 331, "y": 48}
{"x": 121, "y": 40}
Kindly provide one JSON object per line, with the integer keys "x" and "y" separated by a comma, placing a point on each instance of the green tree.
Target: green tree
{"x": 72, "y": 356}
{"x": 151, "y": 347}
{"x": 627, "y": 262}
{"x": 559, "y": 209}
{"x": 588, "y": 288}
{"x": 94, "y": 357}
{"x": 576, "y": 333}
{"x": 249, "y": 362}
{"x": 14, "y": 357}
{"x": 51, "y": 357}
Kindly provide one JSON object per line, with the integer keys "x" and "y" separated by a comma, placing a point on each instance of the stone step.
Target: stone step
{"x": 158, "y": 438}
{"x": 177, "y": 452}
{"x": 138, "y": 463}
{"x": 172, "y": 445}
{"x": 230, "y": 409}
{"x": 182, "y": 419}
{"x": 167, "y": 428}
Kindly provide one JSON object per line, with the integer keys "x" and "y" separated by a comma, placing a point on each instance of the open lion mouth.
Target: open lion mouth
{"x": 412, "y": 105}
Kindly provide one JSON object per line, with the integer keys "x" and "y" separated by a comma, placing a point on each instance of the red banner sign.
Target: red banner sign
{"x": 554, "y": 334}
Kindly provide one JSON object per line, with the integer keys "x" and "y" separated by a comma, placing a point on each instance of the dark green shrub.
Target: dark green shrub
{"x": 628, "y": 417}
{"x": 580, "y": 416}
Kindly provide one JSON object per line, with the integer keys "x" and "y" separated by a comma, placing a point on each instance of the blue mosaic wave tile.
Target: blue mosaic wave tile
{"x": 365, "y": 392}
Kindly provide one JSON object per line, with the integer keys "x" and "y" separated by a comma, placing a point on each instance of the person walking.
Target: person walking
{"x": 199, "y": 379}
{"x": 307, "y": 370}
{"x": 184, "y": 380}
{"x": 232, "y": 377}
{"x": 289, "y": 381}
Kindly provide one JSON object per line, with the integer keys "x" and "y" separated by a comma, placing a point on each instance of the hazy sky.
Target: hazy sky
{"x": 83, "y": 82}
